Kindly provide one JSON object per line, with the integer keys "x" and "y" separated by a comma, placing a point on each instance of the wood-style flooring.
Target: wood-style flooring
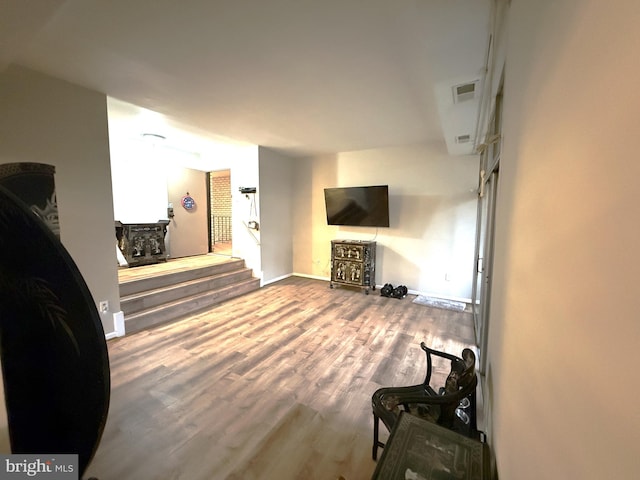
{"x": 126, "y": 274}
{"x": 276, "y": 384}
{"x": 223, "y": 248}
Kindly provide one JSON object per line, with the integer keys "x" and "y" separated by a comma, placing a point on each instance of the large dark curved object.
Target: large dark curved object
{"x": 34, "y": 184}
{"x": 54, "y": 353}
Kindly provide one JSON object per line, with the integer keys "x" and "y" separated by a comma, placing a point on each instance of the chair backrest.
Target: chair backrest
{"x": 460, "y": 383}
{"x": 469, "y": 372}
{"x": 462, "y": 372}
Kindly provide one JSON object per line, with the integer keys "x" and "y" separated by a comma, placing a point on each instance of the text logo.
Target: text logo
{"x": 49, "y": 467}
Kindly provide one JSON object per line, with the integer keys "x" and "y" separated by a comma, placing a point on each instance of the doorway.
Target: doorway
{"x": 187, "y": 233}
{"x": 220, "y": 208}
{"x": 485, "y": 231}
{"x": 484, "y": 262}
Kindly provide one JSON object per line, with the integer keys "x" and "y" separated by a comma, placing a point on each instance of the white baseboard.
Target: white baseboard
{"x": 440, "y": 296}
{"x": 412, "y": 292}
{"x": 273, "y": 280}
{"x": 118, "y": 323}
{"x": 313, "y": 277}
{"x": 118, "y": 318}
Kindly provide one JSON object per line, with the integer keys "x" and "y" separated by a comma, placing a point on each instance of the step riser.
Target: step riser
{"x": 175, "y": 310}
{"x": 146, "y": 284}
{"x": 133, "y": 304}
{"x": 151, "y": 301}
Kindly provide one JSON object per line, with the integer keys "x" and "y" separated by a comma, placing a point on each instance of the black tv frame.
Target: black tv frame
{"x": 359, "y": 206}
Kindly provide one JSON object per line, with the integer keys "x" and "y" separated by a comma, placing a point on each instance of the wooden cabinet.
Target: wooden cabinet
{"x": 353, "y": 263}
{"x": 142, "y": 243}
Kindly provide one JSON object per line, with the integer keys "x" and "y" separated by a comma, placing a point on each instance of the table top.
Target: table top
{"x": 421, "y": 450}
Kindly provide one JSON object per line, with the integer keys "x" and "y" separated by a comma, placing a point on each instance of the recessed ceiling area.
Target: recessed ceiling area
{"x": 205, "y": 151}
{"x": 301, "y": 77}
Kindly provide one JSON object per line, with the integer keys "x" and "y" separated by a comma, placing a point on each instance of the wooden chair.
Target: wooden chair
{"x": 452, "y": 405}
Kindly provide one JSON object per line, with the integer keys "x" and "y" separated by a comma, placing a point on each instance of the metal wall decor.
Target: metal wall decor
{"x": 188, "y": 202}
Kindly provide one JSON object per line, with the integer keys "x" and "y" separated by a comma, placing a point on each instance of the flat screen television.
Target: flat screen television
{"x": 358, "y": 206}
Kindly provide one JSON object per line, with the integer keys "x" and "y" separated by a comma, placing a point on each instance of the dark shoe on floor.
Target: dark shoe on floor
{"x": 387, "y": 290}
{"x": 399, "y": 292}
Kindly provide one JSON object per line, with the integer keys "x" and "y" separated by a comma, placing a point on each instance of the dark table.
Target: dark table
{"x": 420, "y": 450}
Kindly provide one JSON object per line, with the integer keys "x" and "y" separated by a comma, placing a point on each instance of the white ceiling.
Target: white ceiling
{"x": 300, "y": 76}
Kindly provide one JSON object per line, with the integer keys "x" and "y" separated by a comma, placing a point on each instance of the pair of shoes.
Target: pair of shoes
{"x": 387, "y": 290}
{"x": 399, "y": 292}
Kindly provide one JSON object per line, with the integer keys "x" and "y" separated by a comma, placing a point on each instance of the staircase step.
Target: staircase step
{"x": 160, "y": 295}
{"x": 136, "y": 302}
{"x": 187, "y": 305}
{"x": 130, "y": 287}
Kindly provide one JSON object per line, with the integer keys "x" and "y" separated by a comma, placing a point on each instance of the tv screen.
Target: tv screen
{"x": 358, "y": 206}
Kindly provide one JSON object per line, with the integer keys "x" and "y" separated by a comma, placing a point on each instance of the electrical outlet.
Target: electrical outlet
{"x": 104, "y": 306}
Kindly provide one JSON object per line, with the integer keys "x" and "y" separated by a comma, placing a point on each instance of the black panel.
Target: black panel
{"x": 54, "y": 354}
{"x": 358, "y": 206}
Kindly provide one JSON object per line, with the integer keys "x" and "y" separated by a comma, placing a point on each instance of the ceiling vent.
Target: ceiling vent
{"x": 463, "y": 138}
{"x": 465, "y": 91}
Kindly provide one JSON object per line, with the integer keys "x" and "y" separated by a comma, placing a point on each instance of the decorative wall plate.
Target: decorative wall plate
{"x": 54, "y": 354}
{"x": 188, "y": 202}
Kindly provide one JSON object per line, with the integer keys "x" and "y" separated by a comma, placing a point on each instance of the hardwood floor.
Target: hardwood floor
{"x": 126, "y": 274}
{"x": 276, "y": 384}
{"x": 223, "y": 248}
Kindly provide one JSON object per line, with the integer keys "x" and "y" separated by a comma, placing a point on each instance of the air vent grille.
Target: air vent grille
{"x": 463, "y": 138}
{"x": 464, "y": 91}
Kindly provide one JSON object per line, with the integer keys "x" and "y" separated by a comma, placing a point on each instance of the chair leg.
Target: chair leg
{"x": 473, "y": 413}
{"x": 374, "y": 452}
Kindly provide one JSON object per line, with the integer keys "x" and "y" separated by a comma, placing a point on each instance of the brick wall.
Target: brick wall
{"x": 221, "y": 206}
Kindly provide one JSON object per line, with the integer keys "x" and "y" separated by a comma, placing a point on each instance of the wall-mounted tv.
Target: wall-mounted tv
{"x": 358, "y": 206}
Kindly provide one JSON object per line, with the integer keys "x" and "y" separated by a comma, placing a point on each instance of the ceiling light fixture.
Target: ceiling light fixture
{"x": 153, "y": 136}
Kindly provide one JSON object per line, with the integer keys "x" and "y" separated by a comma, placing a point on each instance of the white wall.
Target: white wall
{"x": 46, "y": 120}
{"x": 430, "y": 242}
{"x": 564, "y": 332}
{"x": 139, "y": 172}
{"x": 246, "y": 241}
{"x": 275, "y": 191}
